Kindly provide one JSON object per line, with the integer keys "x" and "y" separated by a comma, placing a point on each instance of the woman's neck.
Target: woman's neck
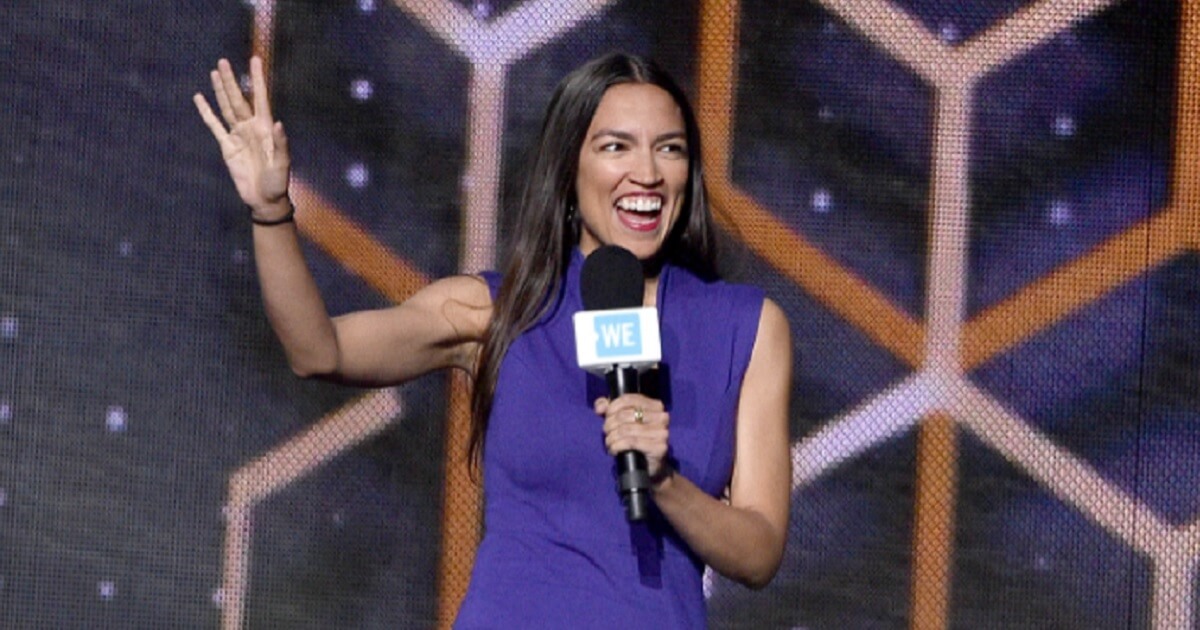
{"x": 650, "y": 297}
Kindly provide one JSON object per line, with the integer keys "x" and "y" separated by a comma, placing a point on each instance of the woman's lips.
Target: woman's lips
{"x": 639, "y": 221}
{"x": 640, "y": 213}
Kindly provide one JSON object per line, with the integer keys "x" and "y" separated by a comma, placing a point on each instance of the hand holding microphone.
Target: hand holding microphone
{"x": 617, "y": 337}
{"x": 636, "y": 423}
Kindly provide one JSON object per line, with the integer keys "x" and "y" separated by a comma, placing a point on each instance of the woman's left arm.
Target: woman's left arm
{"x": 744, "y": 539}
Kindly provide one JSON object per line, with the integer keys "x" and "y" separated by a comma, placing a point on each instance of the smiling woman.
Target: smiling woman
{"x": 617, "y": 163}
{"x": 633, "y": 170}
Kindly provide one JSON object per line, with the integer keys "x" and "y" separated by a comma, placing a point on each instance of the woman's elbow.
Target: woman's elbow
{"x": 304, "y": 370}
{"x": 759, "y": 568}
{"x": 757, "y": 578}
{"x": 313, "y": 366}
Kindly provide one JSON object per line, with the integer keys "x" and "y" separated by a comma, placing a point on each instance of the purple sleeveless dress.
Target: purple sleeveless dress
{"x": 557, "y": 551}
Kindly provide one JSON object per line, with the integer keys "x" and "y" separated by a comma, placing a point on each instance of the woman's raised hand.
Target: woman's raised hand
{"x": 252, "y": 142}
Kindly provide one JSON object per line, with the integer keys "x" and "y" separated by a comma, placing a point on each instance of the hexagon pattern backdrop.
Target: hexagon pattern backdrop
{"x": 980, "y": 217}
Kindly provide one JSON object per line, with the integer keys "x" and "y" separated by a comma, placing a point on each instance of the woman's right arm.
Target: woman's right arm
{"x": 439, "y": 326}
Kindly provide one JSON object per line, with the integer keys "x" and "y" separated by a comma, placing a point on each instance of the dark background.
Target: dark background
{"x": 137, "y": 371}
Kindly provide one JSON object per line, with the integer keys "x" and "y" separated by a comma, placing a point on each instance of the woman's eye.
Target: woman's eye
{"x": 612, "y": 146}
{"x": 678, "y": 149}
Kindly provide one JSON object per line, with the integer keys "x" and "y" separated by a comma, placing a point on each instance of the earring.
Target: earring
{"x": 572, "y": 226}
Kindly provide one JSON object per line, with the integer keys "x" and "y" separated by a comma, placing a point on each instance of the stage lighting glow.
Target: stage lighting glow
{"x": 8, "y": 328}
{"x": 358, "y": 175}
{"x": 949, "y": 33}
{"x": 362, "y": 90}
{"x": 822, "y": 201}
{"x": 1064, "y": 126}
{"x": 115, "y": 419}
{"x": 1059, "y": 212}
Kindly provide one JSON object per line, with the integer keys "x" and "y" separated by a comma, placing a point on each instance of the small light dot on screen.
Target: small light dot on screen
{"x": 1064, "y": 126}
{"x": 822, "y": 201}
{"x": 358, "y": 175}
{"x": 1059, "y": 212}
{"x": 362, "y": 90}
{"x": 115, "y": 419}
{"x": 949, "y": 32}
{"x": 8, "y": 327}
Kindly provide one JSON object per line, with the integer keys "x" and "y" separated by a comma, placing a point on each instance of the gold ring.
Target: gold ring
{"x": 638, "y": 415}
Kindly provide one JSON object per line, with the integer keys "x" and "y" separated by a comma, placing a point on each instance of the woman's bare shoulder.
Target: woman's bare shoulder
{"x": 469, "y": 289}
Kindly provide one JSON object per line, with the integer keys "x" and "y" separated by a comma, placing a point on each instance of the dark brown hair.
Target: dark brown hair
{"x": 546, "y": 230}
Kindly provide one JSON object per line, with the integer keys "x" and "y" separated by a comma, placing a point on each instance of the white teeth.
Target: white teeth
{"x": 640, "y": 204}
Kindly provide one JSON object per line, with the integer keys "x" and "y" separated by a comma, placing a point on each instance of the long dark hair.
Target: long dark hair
{"x": 547, "y": 228}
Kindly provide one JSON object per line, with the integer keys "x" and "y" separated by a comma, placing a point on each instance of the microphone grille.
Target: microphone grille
{"x": 611, "y": 278}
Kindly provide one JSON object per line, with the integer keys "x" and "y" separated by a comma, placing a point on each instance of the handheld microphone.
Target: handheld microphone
{"x": 615, "y": 336}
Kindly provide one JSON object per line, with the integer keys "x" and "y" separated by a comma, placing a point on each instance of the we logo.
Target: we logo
{"x": 627, "y": 336}
{"x": 618, "y": 334}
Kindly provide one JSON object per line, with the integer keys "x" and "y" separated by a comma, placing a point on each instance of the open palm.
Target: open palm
{"x": 252, "y": 142}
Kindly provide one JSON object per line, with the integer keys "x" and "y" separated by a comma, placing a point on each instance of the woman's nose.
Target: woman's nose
{"x": 645, "y": 169}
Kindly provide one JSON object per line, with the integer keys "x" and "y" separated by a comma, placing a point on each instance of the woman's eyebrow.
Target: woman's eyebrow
{"x": 672, "y": 135}
{"x": 620, "y": 135}
{"x": 629, "y": 137}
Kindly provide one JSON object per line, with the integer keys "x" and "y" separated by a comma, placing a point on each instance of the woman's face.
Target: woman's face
{"x": 633, "y": 170}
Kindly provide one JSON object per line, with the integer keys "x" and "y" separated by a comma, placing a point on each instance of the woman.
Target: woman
{"x": 617, "y": 163}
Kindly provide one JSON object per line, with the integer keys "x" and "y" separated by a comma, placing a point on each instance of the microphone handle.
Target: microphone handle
{"x": 633, "y": 476}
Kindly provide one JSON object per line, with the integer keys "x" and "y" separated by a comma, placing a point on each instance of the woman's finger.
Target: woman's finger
{"x": 631, "y": 408}
{"x": 233, "y": 91}
{"x": 652, "y": 441}
{"x": 210, "y": 119}
{"x": 282, "y": 157}
{"x": 632, "y": 401}
{"x": 258, "y": 84}
{"x": 222, "y": 98}
{"x": 626, "y": 419}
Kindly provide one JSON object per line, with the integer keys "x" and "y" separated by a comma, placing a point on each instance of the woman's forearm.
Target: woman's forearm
{"x": 292, "y": 301}
{"x": 739, "y": 543}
